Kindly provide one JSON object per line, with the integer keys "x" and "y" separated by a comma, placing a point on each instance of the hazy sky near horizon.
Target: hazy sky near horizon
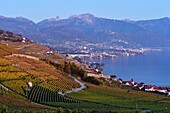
{"x": 38, "y": 10}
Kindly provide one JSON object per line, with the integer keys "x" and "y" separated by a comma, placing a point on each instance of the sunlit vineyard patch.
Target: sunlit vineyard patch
{"x": 9, "y": 50}
{"x": 4, "y": 62}
{"x": 42, "y": 74}
{"x": 5, "y": 76}
{"x": 60, "y": 85}
{"x": 9, "y": 69}
{"x": 3, "y": 53}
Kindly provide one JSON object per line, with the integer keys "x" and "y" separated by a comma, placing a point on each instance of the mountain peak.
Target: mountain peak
{"x": 128, "y": 21}
{"x": 2, "y": 16}
{"x": 87, "y": 17}
{"x": 166, "y": 18}
{"x": 20, "y": 18}
{"x": 57, "y": 18}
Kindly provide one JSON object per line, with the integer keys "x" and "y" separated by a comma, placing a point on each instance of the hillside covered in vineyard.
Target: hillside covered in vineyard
{"x": 34, "y": 78}
{"x": 24, "y": 70}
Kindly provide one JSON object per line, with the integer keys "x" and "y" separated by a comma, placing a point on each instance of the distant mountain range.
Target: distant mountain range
{"x": 86, "y": 27}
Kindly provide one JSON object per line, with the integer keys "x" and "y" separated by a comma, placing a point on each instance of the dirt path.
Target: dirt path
{"x": 5, "y": 87}
{"x": 26, "y": 56}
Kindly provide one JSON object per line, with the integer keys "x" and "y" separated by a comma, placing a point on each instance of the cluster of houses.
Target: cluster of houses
{"x": 144, "y": 87}
{"x": 92, "y": 67}
{"x": 140, "y": 86}
{"x": 49, "y": 52}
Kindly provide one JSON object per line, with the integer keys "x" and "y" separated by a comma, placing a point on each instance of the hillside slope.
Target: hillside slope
{"x": 21, "y": 64}
{"x": 33, "y": 78}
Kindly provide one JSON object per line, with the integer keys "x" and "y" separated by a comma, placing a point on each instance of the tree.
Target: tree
{"x": 67, "y": 68}
{"x": 92, "y": 80}
{"x": 62, "y": 65}
{"x": 82, "y": 74}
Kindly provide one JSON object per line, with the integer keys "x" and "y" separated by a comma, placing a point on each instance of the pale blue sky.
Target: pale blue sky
{"x": 38, "y": 10}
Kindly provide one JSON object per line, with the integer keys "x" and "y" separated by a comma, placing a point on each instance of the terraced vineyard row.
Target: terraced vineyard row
{"x": 9, "y": 72}
{"x": 17, "y": 71}
{"x": 50, "y": 77}
{"x": 9, "y": 69}
{"x": 3, "y": 53}
{"x": 12, "y": 75}
{"x": 14, "y": 78}
{"x": 4, "y": 62}
{"x": 9, "y": 50}
{"x": 42, "y": 95}
{"x": 60, "y": 85}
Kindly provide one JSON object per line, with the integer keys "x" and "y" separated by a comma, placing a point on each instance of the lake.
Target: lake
{"x": 151, "y": 68}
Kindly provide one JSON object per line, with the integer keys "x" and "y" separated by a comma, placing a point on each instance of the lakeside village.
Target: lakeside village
{"x": 112, "y": 79}
{"x": 95, "y": 70}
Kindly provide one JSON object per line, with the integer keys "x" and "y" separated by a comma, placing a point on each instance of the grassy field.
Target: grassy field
{"x": 121, "y": 99}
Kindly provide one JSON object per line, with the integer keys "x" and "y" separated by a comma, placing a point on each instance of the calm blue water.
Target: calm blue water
{"x": 151, "y": 68}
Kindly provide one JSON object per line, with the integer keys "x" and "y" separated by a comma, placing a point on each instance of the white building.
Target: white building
{"x": 30, "y": 84}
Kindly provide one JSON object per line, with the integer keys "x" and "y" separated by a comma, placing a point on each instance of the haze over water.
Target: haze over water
{"x": 151, "y": 68}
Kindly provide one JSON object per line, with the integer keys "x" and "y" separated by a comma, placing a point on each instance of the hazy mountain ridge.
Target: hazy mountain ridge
{"x": 90, "y": 28}
{"x": 159, "y": 26}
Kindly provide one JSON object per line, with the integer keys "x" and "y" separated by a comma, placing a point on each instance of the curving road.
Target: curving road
{"x": 82, "y": 86}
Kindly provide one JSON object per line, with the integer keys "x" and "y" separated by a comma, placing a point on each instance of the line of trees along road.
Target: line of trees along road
{"x": 73, "y": 69}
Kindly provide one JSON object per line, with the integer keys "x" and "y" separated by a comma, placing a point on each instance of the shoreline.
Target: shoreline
{"x": 152, "y": 74}
{"x": 165, "y": 90}
{"x": 161, "y": 89}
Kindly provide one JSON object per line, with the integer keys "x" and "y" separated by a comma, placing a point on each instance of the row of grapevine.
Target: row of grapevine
{"x": 61, "y": 85}
{"x": 9, "y": 69}
{"x": 42, "y": 95}
{"x": 51, "y": 78}
{"x": 12, "y": 75}
{"x": 4, "y": 62}
{"x": 4, "y": 53}
{"x": 8, "y": 49}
